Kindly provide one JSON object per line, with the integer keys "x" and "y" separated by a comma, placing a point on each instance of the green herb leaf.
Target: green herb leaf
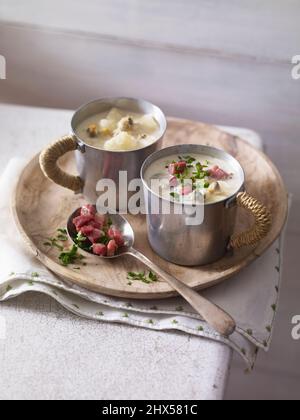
{"x": 175, "y": 195}
{"x": 150, "y": 278}
{"x": 69, "y": 257}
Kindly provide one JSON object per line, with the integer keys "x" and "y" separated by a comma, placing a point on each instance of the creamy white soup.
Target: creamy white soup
{"x": 192, "y": 179}
{"x": 119, "y": 130}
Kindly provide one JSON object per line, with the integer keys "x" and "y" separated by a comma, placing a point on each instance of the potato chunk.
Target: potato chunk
{"x": 148, "y": 123}
{"x": 106, "y": 124}
{"x": 122, "y": 141}
{"x": 114, "y": 115}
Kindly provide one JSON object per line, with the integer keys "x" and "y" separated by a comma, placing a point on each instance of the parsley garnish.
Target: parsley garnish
{"x": 55, "y": 241}
{"x": 175, "y": 195}
{"x": 150, "y": 278}
{"x": 70, "y": 257}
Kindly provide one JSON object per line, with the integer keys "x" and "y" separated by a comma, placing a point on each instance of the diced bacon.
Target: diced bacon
{"x": 82, "y": 221}
{"x": 173, "y": 181}
{"x": 112, "y": 248}
{"x": 186, "y": 190}
{"x": 95, "y": 235}
{"x": 177, "y": 168}
{"x": 100, "y": 249}
{"x": 100, "y": 219}
{"x": 87, "y": 230}
{"x": 96, "y": 225}
{"x": 217, "y": 173}
{"x": 114, "y": 233}
{"x": 88, "y": 209}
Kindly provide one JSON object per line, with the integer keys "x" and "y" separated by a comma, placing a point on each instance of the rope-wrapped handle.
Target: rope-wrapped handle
{"x": 262, "y": 225}
{"x": 50, "y": 168}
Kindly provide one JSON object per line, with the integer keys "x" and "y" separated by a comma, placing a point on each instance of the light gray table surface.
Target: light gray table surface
{"x": 49, "y": 353}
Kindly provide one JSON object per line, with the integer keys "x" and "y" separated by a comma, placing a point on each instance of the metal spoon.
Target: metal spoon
{"x": 211, "y": 313}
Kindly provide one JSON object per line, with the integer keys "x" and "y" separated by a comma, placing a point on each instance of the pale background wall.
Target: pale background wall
{"x": 225, "y": 62}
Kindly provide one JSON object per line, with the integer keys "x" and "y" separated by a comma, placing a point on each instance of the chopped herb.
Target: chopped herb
{"x": 200, "y": 328}
{"x": 62, "y": 236}
{"x": 150, "y": 321}
{"x": 30, "y": 283}
{"x": 69, "y": 257}
{"x": 63, "y": 231}
{"x": 274, "y": 307}
{"x": 75, "y": 306}
{"x": 12, "y": 273}
{"x": 35, "y": 274}
{"x": 243, "y": 352}
{"x": 174, "y": 321}
{"x": 150, "y": 278}
{"x": 268, "y": 328}
{"x": 126, "y": 315}
{"x": 206, "y": 184}
{"x": 82, "y": 242}
{"x": 175, "y": 195}
{"x": 154, "y": 308}
{"x": 129, "y": 305}
{"x": 188, "y": 159}
{"x": 99, "y": 313}
{"x": 129, "y": 283}
{"x": 8, "y": 288}
{"x": 179, "y": 308}
{"x": 249, "y": 332}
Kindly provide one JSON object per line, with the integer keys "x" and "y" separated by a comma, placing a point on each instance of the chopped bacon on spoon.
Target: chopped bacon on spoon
{"x": 88, "y": 209}
{"x": 100, "y": 219}
{"x": 82, "y": 221}
{"x": 114, "y": 233}
{"x": 87, "y": 230}
{"x": 100, "y": 249}
{"x": 111, "y": 248}
{"x": 177, "y": 168}
{"x": 217, "y": 173}
{"x": 96, "y": 232}
{"x": 95, "y": 235}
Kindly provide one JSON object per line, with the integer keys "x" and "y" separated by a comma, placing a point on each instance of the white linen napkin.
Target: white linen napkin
{"x": 250, "y": 297}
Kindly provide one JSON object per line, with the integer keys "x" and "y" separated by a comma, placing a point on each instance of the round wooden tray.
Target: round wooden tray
{"x": 41, "y": 207}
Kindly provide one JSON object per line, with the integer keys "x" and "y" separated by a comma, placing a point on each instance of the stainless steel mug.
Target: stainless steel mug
{"x": 178, "y": 242}
{"x": 94, "y": 164}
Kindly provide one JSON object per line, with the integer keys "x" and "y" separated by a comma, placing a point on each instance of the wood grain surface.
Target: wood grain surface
{"x": 40, "y": 207}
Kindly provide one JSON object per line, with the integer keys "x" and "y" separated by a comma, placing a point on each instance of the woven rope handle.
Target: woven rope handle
{"x": 50, "y": 168}
{"x": 261, "y": 226}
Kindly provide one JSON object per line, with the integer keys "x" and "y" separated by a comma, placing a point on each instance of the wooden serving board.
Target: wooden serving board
{"x": 41, "y": 207}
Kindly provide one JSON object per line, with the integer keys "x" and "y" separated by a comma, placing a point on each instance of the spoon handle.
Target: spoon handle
{"x": 211, "y": 313}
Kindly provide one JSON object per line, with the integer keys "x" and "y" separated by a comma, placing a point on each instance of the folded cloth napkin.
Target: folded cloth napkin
{"x": 251, "y": 297}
